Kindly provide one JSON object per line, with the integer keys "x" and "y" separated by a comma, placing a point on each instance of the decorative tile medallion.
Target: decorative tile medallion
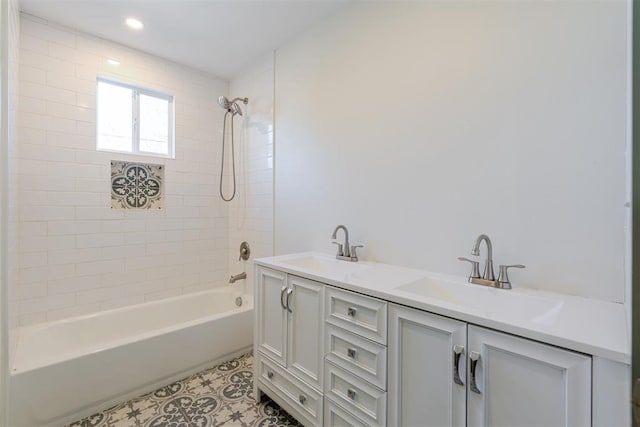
{"x": 136, "y": 185}
{"x": 220, "y": 396}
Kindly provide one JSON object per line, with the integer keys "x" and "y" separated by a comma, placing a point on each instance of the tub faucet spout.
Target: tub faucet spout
{"x": 237, "y": 277}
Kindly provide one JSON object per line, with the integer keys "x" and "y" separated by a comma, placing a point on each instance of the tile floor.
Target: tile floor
{"x": 220, "y": 396}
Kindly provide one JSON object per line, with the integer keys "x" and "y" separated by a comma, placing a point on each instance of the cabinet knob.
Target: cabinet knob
{"x": 352, "y": 311}
{"x": 270, "y": 374}
{"x": 302, "y": 398}
{"x": 351, "y": 352}
{"x": 351, "y": 393}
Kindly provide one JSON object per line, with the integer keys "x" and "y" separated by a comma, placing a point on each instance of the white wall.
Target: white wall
{"x": 251, "y": 212}
{"x": 421, "y": 125}
{"x": 76, "y": 255}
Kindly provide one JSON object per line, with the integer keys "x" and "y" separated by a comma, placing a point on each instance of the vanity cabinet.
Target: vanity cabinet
{"x": 426, "y": 369}
{"x": 289, "y": 341}
{"x": 334, "y": 355}
{"x": 523, "y": 382}
{"x": 447, "y": 373}
{"x": 355, "y": 383}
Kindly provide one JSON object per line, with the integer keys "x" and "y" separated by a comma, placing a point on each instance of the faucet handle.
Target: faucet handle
{"x": 475, "y": 267}
{"x": 340, "y": 250}
{"x": 353, "y": 250}
{"x": 503, "y": 277}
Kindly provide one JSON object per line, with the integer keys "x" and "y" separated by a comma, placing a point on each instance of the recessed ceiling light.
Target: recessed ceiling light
{"x": 134, "y": 23}
{"x": 113, "y": 62}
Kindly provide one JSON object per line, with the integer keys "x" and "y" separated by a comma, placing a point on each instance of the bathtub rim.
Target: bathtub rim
{"x": 72, "y": 355}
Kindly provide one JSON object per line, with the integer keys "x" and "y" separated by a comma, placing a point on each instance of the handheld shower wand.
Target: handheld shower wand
{"x": 235, "y": 109}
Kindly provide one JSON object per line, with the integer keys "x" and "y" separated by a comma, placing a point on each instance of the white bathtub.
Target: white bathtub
{"x": 66, "y": 369}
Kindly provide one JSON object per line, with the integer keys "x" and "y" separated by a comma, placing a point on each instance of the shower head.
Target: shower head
{"x": 232, "y": 106}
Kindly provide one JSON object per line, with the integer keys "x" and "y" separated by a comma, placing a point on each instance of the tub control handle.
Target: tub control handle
{"x": 289, "y": 292}
{"x": 351, "y": 352}
{"x": 302, "y": 398}
{"x": 352, "y": 311}
{"x": 284, "y": 288}
{"x": 474, "y": 357}
{"x": 270, "y": 374}
{"x": 351, "y": 393}
{"x": 457, "y": 353}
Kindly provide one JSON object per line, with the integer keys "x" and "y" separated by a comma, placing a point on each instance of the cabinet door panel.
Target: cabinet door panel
{"x": 422, "y": 391}
{"x": 306, "y": 330}
{"x": 525, "y": 383}
{"x": 270, "y": 317}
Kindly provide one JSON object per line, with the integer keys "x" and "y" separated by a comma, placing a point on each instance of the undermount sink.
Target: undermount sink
{"x": 488, "y": 302}
{"x": 324, "y": 265}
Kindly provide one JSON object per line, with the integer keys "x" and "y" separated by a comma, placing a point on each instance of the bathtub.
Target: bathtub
{"x": 68, "y": 369}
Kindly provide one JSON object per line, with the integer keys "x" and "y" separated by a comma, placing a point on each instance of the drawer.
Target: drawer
{"x": 336, "y": 416}
{"x": 358, "y": 355}
{"x": 297, "y": 395}
{"x": 358, "y": 397}
{"x": 357, "y": 313}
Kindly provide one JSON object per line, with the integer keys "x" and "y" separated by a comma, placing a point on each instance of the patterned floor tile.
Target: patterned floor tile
{"x": 220, "y": 396}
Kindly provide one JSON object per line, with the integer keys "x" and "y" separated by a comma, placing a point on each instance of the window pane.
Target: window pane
{"x": 154, "y": 125}
{"x": 114, "y": 117}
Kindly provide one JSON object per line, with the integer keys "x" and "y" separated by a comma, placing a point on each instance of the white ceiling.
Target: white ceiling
{"x": 218, "y": 36}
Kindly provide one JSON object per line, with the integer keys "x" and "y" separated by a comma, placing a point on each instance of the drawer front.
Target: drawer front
{"x": 357, "y": 313}
{"x": 355, "y": 395}
{"x": 336, "y": 416}
{"x": 358, "y": 355}
{"x": 294, "y": 392}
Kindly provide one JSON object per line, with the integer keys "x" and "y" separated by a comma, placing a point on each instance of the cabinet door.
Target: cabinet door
{"x": 425, "y": 388}
{"x": 306, "y": 330}
{"x": 270, "y": 314}
{"x": 524, "y": 383}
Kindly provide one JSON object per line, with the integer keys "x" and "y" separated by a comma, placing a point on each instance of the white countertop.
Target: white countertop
{"x": 581, "y": 324}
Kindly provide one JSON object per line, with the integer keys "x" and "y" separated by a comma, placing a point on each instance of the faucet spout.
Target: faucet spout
{"x": 237, "y": 277}
{"x": 488, "y": 266}
{"x": 347, "y": 251}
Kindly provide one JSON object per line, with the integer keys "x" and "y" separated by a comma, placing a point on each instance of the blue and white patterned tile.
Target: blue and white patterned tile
{"x": 136, "y": 185}
{"x": 220, "y": 396}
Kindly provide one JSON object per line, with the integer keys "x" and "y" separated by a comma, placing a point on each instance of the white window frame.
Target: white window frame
{"x": 136, "y": 91}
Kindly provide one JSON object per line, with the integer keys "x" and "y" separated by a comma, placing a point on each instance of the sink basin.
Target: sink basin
{"x": 500, "y": 304}
{"x": 324, "y": 265}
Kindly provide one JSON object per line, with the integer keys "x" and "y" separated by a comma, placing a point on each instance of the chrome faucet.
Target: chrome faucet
{"x": 345, "y": 251}
{"x": 237, "y": 277}
{"x": 488, "y": 266}
{"x": 488, "y": 278}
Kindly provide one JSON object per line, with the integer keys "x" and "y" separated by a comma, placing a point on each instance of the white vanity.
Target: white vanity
{"x": 366, "y": 344}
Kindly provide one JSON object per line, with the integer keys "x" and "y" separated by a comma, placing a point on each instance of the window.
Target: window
{"x": 132, "y": 119}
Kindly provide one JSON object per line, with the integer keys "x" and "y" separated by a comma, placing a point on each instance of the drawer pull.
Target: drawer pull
{"x": 474, "y": 357}
{"x": 351, "y": 312}
{"x": 351, "y": 393}
{"x": 351, "y": 352}
{"x": 284, "y": 288}
{"x": 270, "y": 374}
{"x": 289, "y": 292}
{"x": 457, "y": 353}
{"x": 302, "y": 398}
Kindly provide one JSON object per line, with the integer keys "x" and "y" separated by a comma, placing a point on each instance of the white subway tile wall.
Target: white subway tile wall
{"x": 75, "y": 254}
{"x": 251, "y": 212}
{"x": 13, "y": 293}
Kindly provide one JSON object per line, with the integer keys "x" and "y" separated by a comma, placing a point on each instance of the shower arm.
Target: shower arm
{"x": 243, "y": 100}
